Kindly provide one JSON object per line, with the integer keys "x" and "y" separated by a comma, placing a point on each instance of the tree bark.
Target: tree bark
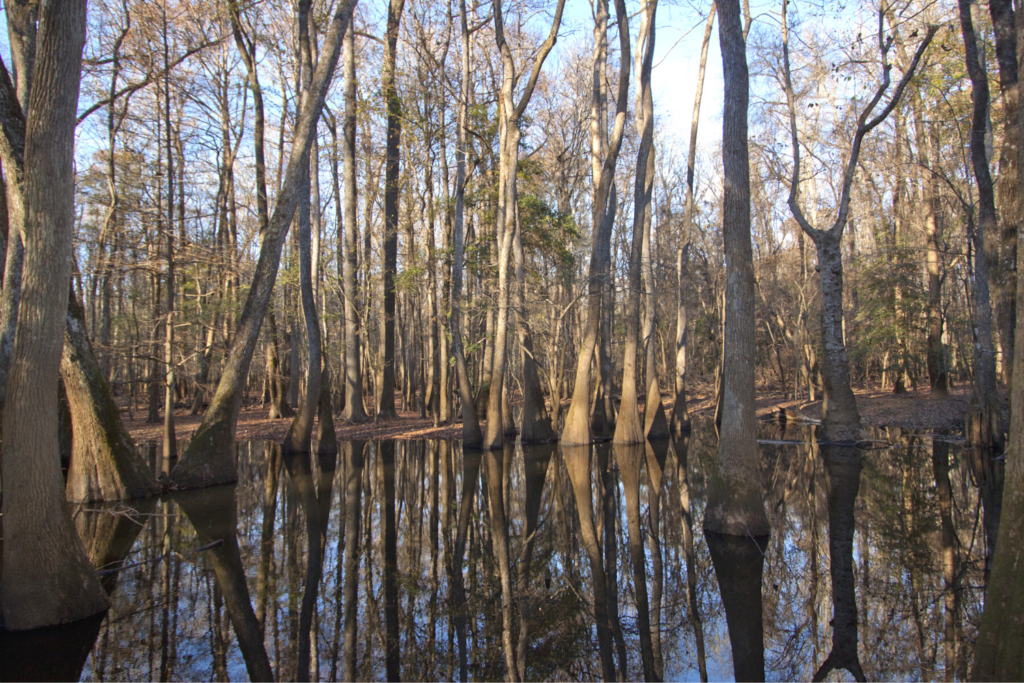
{"x": 508, "y": 225}
{"x": 393, "y": 106}
{"x": 629, "y": 428}
{"x": 604, "y": 155}
{"x": 47, "y": 577}
{"x": 208, "y": 459}
{"x": 1003, "y": 21}
{"x": 299, "y": 433}
{"x": 984, "y": 415}
{"x": 471, "y": 434}
{"x": 998, "y": 655}
{"x": 104, "y": 462}
{"x": 735, "y": 501}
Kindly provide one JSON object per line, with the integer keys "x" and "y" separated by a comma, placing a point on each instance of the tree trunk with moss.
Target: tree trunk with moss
{"x": 104, "y": 462}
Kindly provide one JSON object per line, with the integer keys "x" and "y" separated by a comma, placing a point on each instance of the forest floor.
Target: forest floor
{"x": 878, "y": 408}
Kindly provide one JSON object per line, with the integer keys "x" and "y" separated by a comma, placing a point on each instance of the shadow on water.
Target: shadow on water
{"x": 415, "y": 560}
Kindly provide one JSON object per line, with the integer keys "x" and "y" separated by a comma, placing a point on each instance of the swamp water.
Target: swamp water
{"x": 874, "y": 567}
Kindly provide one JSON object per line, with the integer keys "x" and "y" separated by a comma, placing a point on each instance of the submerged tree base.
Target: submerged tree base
{"x": 735, "y": 506}
{"x": 208, "y": 460}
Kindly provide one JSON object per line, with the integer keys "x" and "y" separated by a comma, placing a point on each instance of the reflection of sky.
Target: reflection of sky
{"x": 890, "y": 606}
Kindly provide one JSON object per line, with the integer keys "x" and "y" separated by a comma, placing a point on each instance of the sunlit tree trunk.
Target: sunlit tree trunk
{"x": 629, "y": 428}
{"x": 1003, "y": 21}
{"x": 604, "y": 155}
{"x": 301, "y": 430}
{"x": 507, "y": 226}
{"x": 471, "y": 435}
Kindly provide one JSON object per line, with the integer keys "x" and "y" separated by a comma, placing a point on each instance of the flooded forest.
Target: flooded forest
{"x": 511, "y": 340}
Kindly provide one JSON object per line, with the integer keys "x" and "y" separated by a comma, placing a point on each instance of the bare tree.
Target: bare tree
{"x": 841, "y": 418}
{"x": 471, "y": 435}
{"x": 208, "y": 459}
{"x": 604, "y": 156}
{"x": 393, "y": 105}
{"x": 628, "y": 428}
{"x": 539, "y": 428}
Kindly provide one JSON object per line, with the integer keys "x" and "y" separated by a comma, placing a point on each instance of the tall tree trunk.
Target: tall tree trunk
{"x": 629, "y": 427}
{"x": 984, "y": 415}
{"x": 604, "y": 154}
{"x": 47, "y": 577}
{"x": 354, "y": 411}
{"x": 508, "y": 225}
{"x": 927, "y": 142}
{"x": 393, "y": 106}
{"x": 735, "y": 501}
{"x": 170, "y": 445}
{"x": 297, "y": 440}
{"x": 1003, "y": 21}
{"x": 471, "y": 435}
{"x": 998, "y": 655}
{"x": 208, "y": 459}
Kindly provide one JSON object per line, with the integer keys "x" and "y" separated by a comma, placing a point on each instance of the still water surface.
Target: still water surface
{"x": 874, "y": 567}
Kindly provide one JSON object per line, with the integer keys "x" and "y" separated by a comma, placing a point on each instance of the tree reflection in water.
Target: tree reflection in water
{"x": 401, "y": 559}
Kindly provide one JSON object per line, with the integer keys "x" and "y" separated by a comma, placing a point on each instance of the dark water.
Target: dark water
{"x": 874, "y": 568}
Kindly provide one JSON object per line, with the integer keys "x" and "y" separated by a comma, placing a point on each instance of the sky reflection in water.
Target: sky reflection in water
{"x": 851, "y": 578}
